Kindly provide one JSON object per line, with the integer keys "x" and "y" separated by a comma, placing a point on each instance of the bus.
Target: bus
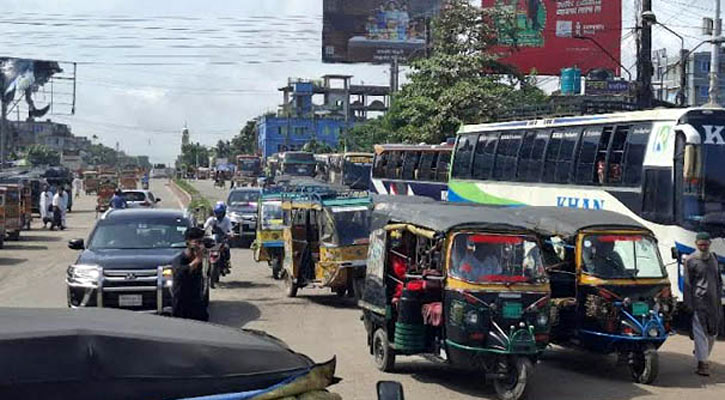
{"x": 293, "y": 163}
{"x": 663, "y": 167}
{"x": 411, "y": 170}
{"x": 350, "y": 169}
{"x": 249, "y": 168}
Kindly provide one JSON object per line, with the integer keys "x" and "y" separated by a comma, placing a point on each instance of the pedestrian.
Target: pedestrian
{"x": 64, "y": 205}
{"x": 77, "y": 186}
{"x": 45, "y": 205}
{"x": 187, "y": 300}
{"x": 703, "y": 289}
{"x": 118, "y": 202}
{"x": 57, "y": 216}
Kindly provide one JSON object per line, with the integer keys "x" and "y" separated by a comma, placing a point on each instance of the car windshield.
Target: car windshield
{"x": 621, "y": 257}
{"x": 243, "y": 197}
{"x": 485, "y": 258}
{"x": 138, "y": 235}
{"x": 271, "y": 214}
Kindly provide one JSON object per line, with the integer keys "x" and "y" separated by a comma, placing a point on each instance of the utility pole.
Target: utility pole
{"x": 684, "y": 59}
{"x": 394, "y": 73}
{"x": 644, "y": 64}
{"x": 714, "y": 91}
{"x": 3, "y": 123}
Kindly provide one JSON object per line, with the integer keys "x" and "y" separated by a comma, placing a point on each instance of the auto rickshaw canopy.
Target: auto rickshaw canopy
{"x": 567, "y": 222}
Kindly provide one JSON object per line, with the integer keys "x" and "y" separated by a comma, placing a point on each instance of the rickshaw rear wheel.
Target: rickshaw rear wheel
{"x": 514, "y": 386}
{"x": 289, "y": 285}
{"x": 383, "y": 353}
{"x": 645, "y": 366}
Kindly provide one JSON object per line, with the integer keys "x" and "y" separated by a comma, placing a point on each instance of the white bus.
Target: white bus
{"x": 665, "y": 168}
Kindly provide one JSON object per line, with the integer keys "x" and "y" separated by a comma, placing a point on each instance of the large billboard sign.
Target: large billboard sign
{"x": 375, "y": 31}
{"x": 548, "y": 35}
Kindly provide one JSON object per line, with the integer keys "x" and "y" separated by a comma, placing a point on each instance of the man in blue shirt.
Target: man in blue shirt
{"x": 117, "y": 201}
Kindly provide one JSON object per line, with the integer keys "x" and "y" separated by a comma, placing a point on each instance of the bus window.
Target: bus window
{"x": 410, "y": 163}
{"x": 379, "y": 164}
{"x": 425, "y": 166}
{"x": 636, "y": 147}
{"x": 508, "y": 149}
{"x": 392, "y": 168}
{"x": 585, "y": 172}
{"x": 616, "y": 154}
{"x": 462, "y": 159}
{"x": 602, "y": 151}
{"x": 527, "y": 145}
{"x": 566, "y": 154}
{"x": 485, "y": 155}
{"x": 443, "y": 166}
{"x": 537, "y": 156}
{"x": 552, "y": 156}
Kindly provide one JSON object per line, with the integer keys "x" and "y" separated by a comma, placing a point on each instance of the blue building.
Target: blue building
{"x": 301, "y": 119}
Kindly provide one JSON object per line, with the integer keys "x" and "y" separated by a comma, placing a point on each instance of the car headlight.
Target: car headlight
{"x": 472, "y": 318}
{"x": 80, "y": 273}
{"x": 653, "y": 332}
{"x": 168, "y": 274}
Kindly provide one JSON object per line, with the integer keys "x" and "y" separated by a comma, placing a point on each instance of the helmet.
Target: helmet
{"x": 220, "y": 210}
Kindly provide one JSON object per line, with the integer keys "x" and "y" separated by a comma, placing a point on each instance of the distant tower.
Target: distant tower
{"x": 185, "y": 136}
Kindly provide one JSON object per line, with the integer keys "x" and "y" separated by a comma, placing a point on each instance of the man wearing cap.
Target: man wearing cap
{"x": 703, "y": 288}
{"x": 188, "y": 279}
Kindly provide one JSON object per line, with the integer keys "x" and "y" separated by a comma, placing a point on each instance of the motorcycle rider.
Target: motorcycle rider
{"x": 220, "y": 223}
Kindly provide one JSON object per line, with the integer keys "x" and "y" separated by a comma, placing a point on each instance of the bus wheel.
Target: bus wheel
{"x": 383, "y": 353}
{"x": 289, "y": 285}
{"x": 644, "y": 365}
{"x": 514, "y": 385}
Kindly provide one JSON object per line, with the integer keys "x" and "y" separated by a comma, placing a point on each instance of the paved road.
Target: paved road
{"x": 321, "y": 325}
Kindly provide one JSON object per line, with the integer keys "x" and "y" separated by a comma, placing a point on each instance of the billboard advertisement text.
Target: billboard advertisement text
{"x": 548, "y": 35}
{"x": 375, "y": 31}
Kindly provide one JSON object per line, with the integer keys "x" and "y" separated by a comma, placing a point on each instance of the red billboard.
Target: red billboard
{"x": 548, "y": 35}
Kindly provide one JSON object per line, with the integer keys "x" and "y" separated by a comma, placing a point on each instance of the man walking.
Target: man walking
{"x": 703, "y": 288}
{"x": 57, "y": 203}
{"x": 46, "y": 208}
{"x": 64, "y": 205}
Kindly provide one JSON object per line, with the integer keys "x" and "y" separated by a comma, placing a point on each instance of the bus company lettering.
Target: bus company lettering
{"x": 713, "y": 134}
{"x": 579, "y": 202}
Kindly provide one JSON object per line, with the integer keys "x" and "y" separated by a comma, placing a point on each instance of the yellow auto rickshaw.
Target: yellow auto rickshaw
{"x": 464, "y": 283}
{"x": 13, "y": 210}
{"x": 326, "y": 240}
{"x": 268, "y": 245}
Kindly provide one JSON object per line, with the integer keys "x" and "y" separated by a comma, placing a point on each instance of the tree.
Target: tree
{"x": 461, "y": 82}
{"x": 39, "y": 154}
{"x": 191, "y": 153}
{"x": 246, "y": 141}
{"x": 313, "y": 146}
{"x": 223, "y": 149}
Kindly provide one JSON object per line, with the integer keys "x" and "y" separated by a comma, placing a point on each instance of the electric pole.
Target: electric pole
{"x": 714, "y": 92}
{"x": 644, "y": 64}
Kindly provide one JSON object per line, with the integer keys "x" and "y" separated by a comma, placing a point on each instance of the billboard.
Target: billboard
{"x": 548, "y": 35}
{"x": 23, "y": 76}
{"x": 375, "y": 31}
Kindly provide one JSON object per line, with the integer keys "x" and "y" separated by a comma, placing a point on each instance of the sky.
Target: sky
{"x": 145, "y": 68}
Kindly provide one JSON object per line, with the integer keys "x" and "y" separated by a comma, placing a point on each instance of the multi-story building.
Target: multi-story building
{"x": 667, "y": 73}
{"x": 320, "y": 110}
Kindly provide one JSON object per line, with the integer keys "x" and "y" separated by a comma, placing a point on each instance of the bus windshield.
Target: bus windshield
{"x": 486, "y": 258}
{"x": 298, "y": 169}
{"x": 621, "y": 257}
{"x": 356, "y": 173}
{"x": 248, "y": 164}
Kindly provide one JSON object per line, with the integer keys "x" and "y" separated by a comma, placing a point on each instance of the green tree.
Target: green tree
{"x": 314, "y": 146}
{"x": 39, "y": 154}
{"x": 461, "y": 82}
{"x": 246, "y": 141}
{"x": 192, "y": 153}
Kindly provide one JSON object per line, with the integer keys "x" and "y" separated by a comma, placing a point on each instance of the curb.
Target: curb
{"x": 182, "y": 196}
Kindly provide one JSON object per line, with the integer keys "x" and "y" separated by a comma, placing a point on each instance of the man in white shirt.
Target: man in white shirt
{"x": 64, "y": 206}
{"x": 45, "y": 206}
{"x": 77, "y": 186}
{"x": 57, "y": 203}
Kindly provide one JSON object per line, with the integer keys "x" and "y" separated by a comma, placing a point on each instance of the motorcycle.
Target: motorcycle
{"x": 218, "y": 258}
{"x": 220, "y": 183}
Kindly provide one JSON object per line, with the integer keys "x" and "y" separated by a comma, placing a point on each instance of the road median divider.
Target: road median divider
{"x": 197, "y": 205}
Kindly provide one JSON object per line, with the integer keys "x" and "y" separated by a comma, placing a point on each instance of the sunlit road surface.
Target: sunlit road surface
{"x": 322, "y": 325}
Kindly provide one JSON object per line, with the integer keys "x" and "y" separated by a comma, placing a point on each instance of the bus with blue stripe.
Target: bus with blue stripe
{"x": 411, "y": 170}
{"x": 665, "y": 168}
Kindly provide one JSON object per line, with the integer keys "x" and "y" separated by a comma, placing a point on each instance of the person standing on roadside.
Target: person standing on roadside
{"x": 46, "y": 206}
{"x": 64, "y": 208}
{"x": 57, "y": 203}
{"x": 703, "y": 289}
{"x": 77, "y": 186}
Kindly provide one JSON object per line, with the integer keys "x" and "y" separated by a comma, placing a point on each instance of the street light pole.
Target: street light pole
{"x": 649, "y": 18}
{"x": 714, "y": 92}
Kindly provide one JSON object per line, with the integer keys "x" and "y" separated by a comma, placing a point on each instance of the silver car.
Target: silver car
{"x": 140, "y": 199}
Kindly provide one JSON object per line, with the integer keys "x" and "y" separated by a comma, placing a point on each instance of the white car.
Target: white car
{"x": 140, "y": 199}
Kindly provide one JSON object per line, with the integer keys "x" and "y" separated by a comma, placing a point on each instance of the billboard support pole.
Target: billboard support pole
{"x": 394, "y": 73}
{"x": 644, "y": 63}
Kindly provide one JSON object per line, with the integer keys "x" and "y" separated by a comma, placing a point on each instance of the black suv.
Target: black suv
{"x": 127, "y": 261}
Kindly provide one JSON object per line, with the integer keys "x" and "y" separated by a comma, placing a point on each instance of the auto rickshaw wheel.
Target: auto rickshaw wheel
{"x": 383, "y": 353}
{"x": 515, "y": 384}
{"x": 289, "y": 285}
{"x": 645, "y": 365}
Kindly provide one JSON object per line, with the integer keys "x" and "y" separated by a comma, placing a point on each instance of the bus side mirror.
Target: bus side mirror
{"x": 675, "y": 253}
{"x": 390, "y": 390}
{"x": 692, "y": 169}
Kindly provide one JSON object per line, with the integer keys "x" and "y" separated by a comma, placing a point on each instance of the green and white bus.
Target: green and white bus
{"x": 665, "y": 168}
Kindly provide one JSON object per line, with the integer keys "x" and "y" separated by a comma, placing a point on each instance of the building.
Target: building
{"x": 667, "y": 72}
{"x": 319, "y": 110}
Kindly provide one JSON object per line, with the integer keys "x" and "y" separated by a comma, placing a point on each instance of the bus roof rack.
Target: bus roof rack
{"x": 572, "y": 106}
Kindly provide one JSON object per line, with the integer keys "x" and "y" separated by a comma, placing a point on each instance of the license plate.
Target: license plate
{"x": 640, "y": 308}
{"x": 512, "y": 310}
{"x": 130, "y": 300}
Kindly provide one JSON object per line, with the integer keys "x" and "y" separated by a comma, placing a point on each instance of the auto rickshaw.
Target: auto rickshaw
{"x": 268, "y": 245}
{"x": 128, "y": 180}
{"x": 610, "y": 291}
{"x": 90, "y": 182}
{"x": 2, "y": 216}
{"x": 106, "y": 189}
{"x": 463, "y": 284}
{"x": 13, "y": 211}
{"x": 325, "y": 240}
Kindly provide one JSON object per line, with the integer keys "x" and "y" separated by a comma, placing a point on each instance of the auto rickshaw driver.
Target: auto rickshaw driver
{"x": 601, "y": 259}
